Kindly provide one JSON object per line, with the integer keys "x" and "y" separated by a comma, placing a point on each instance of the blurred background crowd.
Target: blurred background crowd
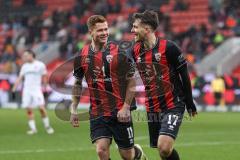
{"x": 58, "y": 28}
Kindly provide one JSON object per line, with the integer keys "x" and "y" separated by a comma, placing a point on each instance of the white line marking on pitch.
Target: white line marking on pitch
{"x": 213, "y": 143}
{"x": 44, "y": 150}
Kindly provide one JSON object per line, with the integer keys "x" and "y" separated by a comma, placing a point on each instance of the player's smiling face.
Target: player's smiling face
{"x": 139, "y": 30}
{"x": 100, "y": 32}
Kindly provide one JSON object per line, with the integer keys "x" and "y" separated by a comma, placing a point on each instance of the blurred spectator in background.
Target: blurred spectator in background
{"x": 5, "y": 3}
{"x": 29, "y": 2}
{"x": 218, "y": 88}
{"x": 4, "y": 88}
{"x": 218, "y": 38}
{"x": 181, "y": 5}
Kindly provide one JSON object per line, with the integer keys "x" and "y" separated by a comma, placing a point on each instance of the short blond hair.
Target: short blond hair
{"x": 91, "y": 22}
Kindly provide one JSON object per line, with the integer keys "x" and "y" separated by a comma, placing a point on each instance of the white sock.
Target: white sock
{"x": 46, "y": 122}
{"x": 32, "y": 125}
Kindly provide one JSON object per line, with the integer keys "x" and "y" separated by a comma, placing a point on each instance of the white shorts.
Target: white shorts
{"x": 32, "y": 99}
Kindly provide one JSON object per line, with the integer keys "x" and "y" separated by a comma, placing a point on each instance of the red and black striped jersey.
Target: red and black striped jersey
{"x": 106, "y": 73}
{"x": 158, "y": 68}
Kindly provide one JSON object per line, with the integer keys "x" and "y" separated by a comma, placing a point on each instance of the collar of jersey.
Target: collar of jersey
{"x": 103, "y": 50}
{"x": 143, "y": 50}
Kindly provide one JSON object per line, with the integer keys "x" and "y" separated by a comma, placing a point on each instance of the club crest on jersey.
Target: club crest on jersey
{"x": 157, "y": 56}
{"x": 109, "y": 58}
{"x": 139, "y": 59}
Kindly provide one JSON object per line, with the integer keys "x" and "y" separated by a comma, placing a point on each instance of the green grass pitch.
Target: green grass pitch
{"x": 211, "y": 136}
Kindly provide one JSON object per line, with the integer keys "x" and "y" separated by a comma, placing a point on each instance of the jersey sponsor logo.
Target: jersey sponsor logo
{"x": 157, "y": 56}
{"x": 149, "y": 73}
{"x": 98, "y": 73}
{"x": 86, "y": 60}
{"x": 109, "y": 58}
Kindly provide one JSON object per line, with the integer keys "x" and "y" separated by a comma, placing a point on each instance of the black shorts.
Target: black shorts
{"x": 165, "y": 123}
{"x": 110, "y": 127}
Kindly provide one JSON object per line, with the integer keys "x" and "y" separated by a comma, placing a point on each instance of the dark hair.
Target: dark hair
{"x": 31, "y": 53}
{"x": 148, "y": 17}
{"x": 95, "y": 19}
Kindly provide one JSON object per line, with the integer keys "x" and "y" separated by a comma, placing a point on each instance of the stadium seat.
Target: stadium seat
{"x": 197, "y": 14}
{"x": 229, "y": 96}
{"x": 17, "y": 3}
{"x": 209, "y": 98}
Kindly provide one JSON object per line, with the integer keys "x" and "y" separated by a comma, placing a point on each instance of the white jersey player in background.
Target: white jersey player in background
{"x": 33, "y": 72}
